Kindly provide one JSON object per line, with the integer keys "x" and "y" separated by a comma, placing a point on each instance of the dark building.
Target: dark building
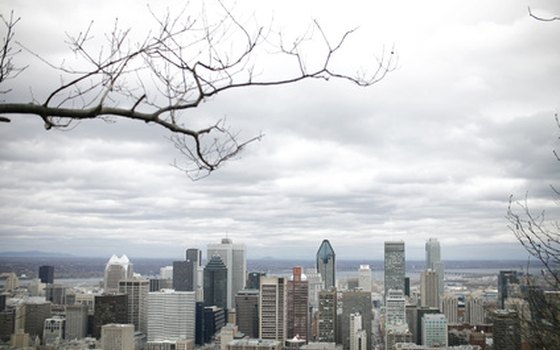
{"x": 247, "y": 312}
{"x": 254, "y": 280}
{"x": 109, "y": 309}
{"x": 46, "y": 274}
{"x": 2, "y": 302}
{"x": 298, "y": 305}
{"x": 327, "y": 318}
{"x": 35, "y": 315}
{"x": 505, "y": 278}
{"x": 199, "y": 323}
{"x": 185, "y": 272}
{"x": 214, "y": 319}
{"x": 215, "y": 283}
{"x": 156, "y": 284}
{"x": 56, "y": 294}
{"x": 507, "y": 330}
{"x": 352, "y": 302}
{"x": 326, "y": 264}
{"x": 407, "y": 286}
{"x": 7, "y": 323}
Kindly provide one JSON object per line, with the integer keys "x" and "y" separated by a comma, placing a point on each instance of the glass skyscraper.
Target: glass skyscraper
{"x": 326, "y": 264}
{"x": 394, "y": 266}
{"x": 433, "y": 261}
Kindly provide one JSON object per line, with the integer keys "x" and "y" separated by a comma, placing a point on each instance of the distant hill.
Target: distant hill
{"x": 34, "y": 254}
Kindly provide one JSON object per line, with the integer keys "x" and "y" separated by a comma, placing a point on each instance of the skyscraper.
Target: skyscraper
{"x": 116, "y": 269}
{"x": 433, "y": 261}
{"x": 53, "y": 330}
{"x": 505, "y": 278}
{"x": 394, "y": 266}
{"x": 76, "y": 321}
{"x": 247, "y": 312}
{"x": 185, "y": 273}
{"x": 352, "y": 302}
{"x": 395, "y": 306}
{"x": 429, "y": 289}
{"x": 137, "y": 293}
{"x": 474, "y": 311}
{"x": 507, "y": 330}
{"x": 327, "y": 316}
{"x": 358, "y": 336}
{"x": 254, "y": 280}
{"x": 298, "y": 305}
{"x": 326, "y": 264}
{"x": 235, "y": 259}
{"x": 109, "y": 309}
{"x": 46, "y": 274}
{"x": 272, "y": 308}
{"x": 364, "y": 278}
{"x": 215, "y": 283}
{"x": 171, "y": 315}
{"x": 450, "y": 307}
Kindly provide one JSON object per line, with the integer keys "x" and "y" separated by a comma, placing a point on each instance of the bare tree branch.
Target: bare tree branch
{"x": 184, "y": 62}
{"x": 543, "y": 19}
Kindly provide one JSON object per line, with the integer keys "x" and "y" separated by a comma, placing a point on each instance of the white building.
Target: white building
{"x": 474, "y": 310}
{"x": 365, "y": 278}
{"x": 450, "y": 308}
{"x": 395, "y": 308}
{"x": 116, "y": 269}
{"x": 358, "y": 335}
{"x": 235, "y": 259}
{"x": 117, "y": 336}
{"x": 76, "y": 321}
{"x": 171, "y": 315}
{"x": 166, "y": 272}
{"x": 433, "y": 261}
{"x": 53, "y": 330}
{"x": 434, "y": 330}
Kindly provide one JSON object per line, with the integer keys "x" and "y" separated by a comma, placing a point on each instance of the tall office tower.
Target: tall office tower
{"x": 215, "y": 283}
{"x": 395, "y": 306}
{"x": 429, "y": 289}
{"x": 109, "y": 309}
{"x": 433, "y": 261}
{"x": 505, "y": 278}
{"x": 254, "y": 280}
{"x": 434, "y": 330}
{"x": 407, "y": 286}
{"x": 507, "y": 330}
{"x": 56, "y": 294}
{"x": 33, "y": 315}
{"x": 394, "y": 266}
{"x": 352, "y": 302}
{"x": 272, "y": 309}
{"x": 474, "y": 311}
{"x": 315, "y": 284}
{"x": 185, "y": 273}
{"x": 365, "y": 278}
{"x": 76, "y": 322}
{"x": 53, "y": 330}
{"x": 116, "y": 269}
{"x": 247, "y": 312}
{"x": 450, "y": 308}
{"x": 46, "y": 274}
{"x": 298, "y": 305}
{"x": 137, "y": 292}
{"x": 171, "y": 315}
{"x": 356, "y": 331}
{"x": 117, "y": 337}
{"x": 327, "y": 316}
{"x": 235, "y": 259}
{"x": 326, "y": 264}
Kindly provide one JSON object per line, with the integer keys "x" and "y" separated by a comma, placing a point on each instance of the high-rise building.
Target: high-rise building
{"x": 327, "y": 316}
{"x": 235, "y": 259}
{"x": 76, "y": 322}
{"x": 254, "y": 280}
{"x": 420, "y": 313}
{"x": 450, "y": 308}
{"x": 358, "y": 336}
{"x": 46, "y": 274}
{"x": 33, "y": 314}
{"x": 53, "y": 330}
{"x": 394, "y": 267}
{"x": 214, "y": 320}
{"x": 185, "y": 273}
{"x": 247, "y": 312}
{"x": 56, "y": 294}
{"x": 474, "y": 311}
{"x": 397, "y": 334}
{"x": 315, "y": 284}
{"x": 429, "y": 289}
{"x": 171, "y": 315}
{"x": 433, "y": 261}
{"x": 395, "y": 306}
{"x": 506, "y": 330}
{"x": 111, "y": 308}
{"x": 353, "y": 302}
{"x": 137, "y": 292}
{"x": 272, "y": 308}
{"x": 505, "y": 279}
{"x": 215, "y": 283}
{"x": 117, "y": 337}
{"x": 365, "y": 278}
{"x": 166, "y": 272}
{"x": 116, "y": 269}
{"x": 434, "y": 330}
{"x": 326, "y": 264}
{"x": 298, "y": 305}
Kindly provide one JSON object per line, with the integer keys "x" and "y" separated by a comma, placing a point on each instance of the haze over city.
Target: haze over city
{"x": 435, "y": 149}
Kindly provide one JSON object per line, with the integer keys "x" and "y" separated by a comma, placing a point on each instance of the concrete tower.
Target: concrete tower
{"x": 364, "y": 278}
{"x": 394, "y": 266}
{"x": 272, "y": 309}
{"x": 298, "y": 305}
{"x": 235, "y": 258}
{"x": 326, "y": 264}
{"x": 116, "y": 269}
{"x": 327, "y": 316}
{"x": 429, "y": 288}
{"x": 433, "y": 261}
{"x": 137, "y": 294}
{"x": 171, "y": 315}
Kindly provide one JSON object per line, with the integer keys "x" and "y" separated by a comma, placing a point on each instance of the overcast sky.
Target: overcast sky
{"x": 433, "y": 150}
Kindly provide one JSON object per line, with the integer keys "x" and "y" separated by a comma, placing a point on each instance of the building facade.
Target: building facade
{"x": 137, "y": 292}
{"x": 171, "y": 315}
{"x": 394, "y": 266}
{"x": 298, "y": 305}
{"x": 247, "y": 312}
{"x": 235, "y": 258}
{"x": 433, "y": 262}
{"x": 326, "y": 264}
{"x": 272, "y": 309}
{"x": 327, "y": 317}
{"x": 215, "y": 283}
{"x": 434, "y": 330}
{"x": 46, "y": 274}
{"x": 429, "y": 288}
{"x": 116, "y": 269}
{"x": 117, "y": 337}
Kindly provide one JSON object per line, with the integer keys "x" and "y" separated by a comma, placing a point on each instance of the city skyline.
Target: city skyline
{"x": 433, "y": 150}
